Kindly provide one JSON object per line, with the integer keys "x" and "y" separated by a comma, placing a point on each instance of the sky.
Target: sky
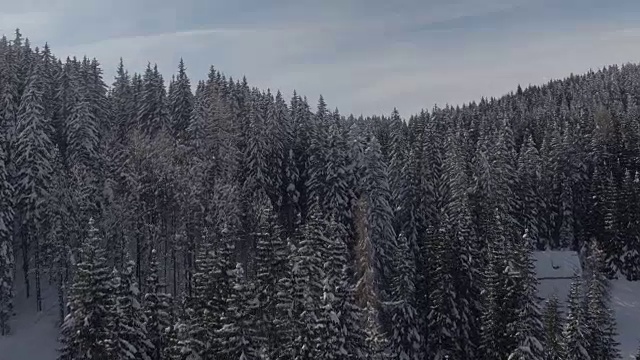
{"x": 364, "y": 56}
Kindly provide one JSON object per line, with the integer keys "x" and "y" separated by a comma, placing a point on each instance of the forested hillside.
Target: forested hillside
{"x": 232, "y": 223}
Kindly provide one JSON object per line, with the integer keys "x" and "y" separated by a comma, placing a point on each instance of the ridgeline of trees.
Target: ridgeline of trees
{"x": 231, "y": 223}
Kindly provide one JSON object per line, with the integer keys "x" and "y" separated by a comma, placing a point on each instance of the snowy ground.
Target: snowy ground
{"x": 555, "y": 268}
{"x": 34, "y": 334}
{"x": 625, "y": 298}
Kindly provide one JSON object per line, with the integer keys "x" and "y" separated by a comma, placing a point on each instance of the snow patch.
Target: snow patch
{"x": 625, "y": 300}
{"x": 555, "y": 270}
{"x": 556, "y": 264}
{"x": 34, "y": 335}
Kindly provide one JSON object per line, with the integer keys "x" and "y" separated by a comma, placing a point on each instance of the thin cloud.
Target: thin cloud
{"x": 33, "y": 24}
{"x": 363, "y": 56}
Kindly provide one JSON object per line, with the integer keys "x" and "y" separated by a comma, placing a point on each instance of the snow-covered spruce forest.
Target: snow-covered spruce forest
{"x": 232, "y": 223}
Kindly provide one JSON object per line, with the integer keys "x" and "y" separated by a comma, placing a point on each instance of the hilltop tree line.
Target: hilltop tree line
{"x": 230, "y": 223}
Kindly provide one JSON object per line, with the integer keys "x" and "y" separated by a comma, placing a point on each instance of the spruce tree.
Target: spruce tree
{"x": 270, "y": 263}
{"x": 63, "y": 232}
{"x": 284, "y": 322}
{"x": 97, "y": 93}
{"x": 575, "y": 334}
{"x": 9, "y": 97}
{"x": 379, "y": 214}
{"x": 202, "y": 325}
{"x": 600, "y": 318}
{"x": 550, "y": 188}
{"x": 612, "y": 240}
{"x": 274, "y": 127}
{"x": 280, "y": 123}
{"x": 180, "y": 101}
{"x": 331, "y": 179}
{"x": 7, "y": 261}
{"x": 157, "y": 310}
{"x": 308, "y": 276}
{"x": 367, "y": 286}
{"x": 131, "y": 334}
{"x": 552, "y": 330}
{"x": 529, "y": 327}
{"x": 88, "y": 328}
{"x": 82, "y": 125}
{"x": 301, "y": 131}
{"x": 239, "y": 337}
{"x": 375, "y": 340}
{"x": 357, "y": 329}
{"x": 631, "y": 209}
{"x": 494, "y": 343}
{"x": 152, "y": 112}
{"x": 122, "y": 103}
{"x": 255, "y": 157}
{"x": 529, "y": 172}
{"x": 445, "y": 338}
{"x": 33, "y": 166}
{"x": 199, "y": 129}
{"x": 397, "y": 161}
{"x": 177, "y": 344}
{"x": 405, "y": 338}
{"x": 462, "y": 240}
{"x": 567, "y": 238}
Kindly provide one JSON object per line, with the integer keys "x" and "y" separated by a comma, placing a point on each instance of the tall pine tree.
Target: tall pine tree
{"x": 88, "y": 328}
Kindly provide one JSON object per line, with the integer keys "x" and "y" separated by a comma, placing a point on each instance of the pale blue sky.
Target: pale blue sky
{"x": 364, "y": 56}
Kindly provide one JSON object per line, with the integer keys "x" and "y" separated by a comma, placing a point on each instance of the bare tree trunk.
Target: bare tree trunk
{"x": 25, "y": 261}
{"x": 165, "y": 235}
{"x": 60, "y": 297}
{"x": 174, "y": 255}
{"x": 37, "y": 271}
{"x": 188, "y": 266}
{"x": 138, "y": 254}
{"x": 175, "y": 272}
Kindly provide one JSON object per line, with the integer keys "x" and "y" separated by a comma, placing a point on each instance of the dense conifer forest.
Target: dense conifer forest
{"x": 231, "y": 223}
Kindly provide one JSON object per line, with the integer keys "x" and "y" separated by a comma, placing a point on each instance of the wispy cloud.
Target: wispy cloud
{"x": 365, "y": 56}
{"x": 34, "y": 23}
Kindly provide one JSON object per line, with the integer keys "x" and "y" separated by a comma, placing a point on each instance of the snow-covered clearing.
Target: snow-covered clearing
{"x": 34, "y": 334}
{"x": 555, "y": 269}
{"x": 625, "y": 298}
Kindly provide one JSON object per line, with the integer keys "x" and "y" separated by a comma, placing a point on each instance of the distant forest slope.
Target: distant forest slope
{"x": 230, "y": 221}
